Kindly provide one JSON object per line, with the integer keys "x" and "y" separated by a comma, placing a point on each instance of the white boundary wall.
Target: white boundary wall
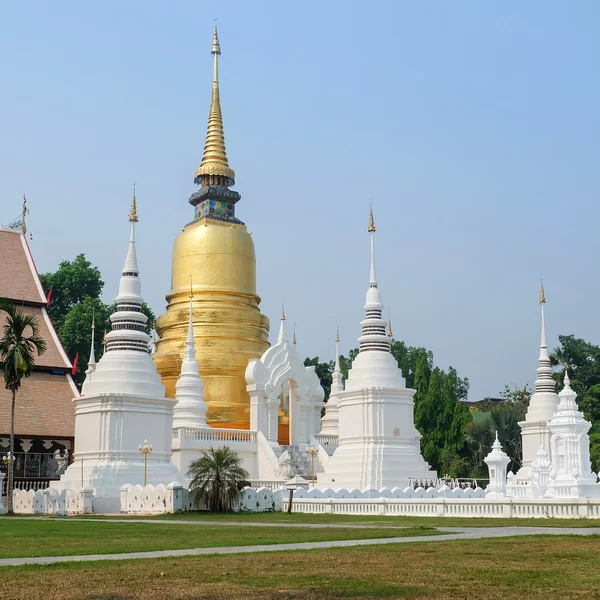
{"x": 53, "y": 502}
{"x": 449, "y": 507}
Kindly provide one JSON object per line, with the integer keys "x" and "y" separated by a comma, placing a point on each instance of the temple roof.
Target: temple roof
{"x": 44, "y": 406}
{"x": 19, "y": 280}
{"x": 44, "y": 402}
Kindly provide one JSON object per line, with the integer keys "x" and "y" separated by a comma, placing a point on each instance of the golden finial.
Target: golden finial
{"x": 191, "y": 287}
{"x": 93, "y": 318}
{"x": 214, "y": 161}
{"x": 104, "y": 340}
{"x": 133, "y": 217}
{"x": 337, "y": 335}
{"x": 542, "y": 294}
{"x": 389, "y": 328}
{"x": 371, "y": 228}
{"x": 282, "y": 312}
{"x": 294, "y": 340}
{"x": 216, "y": 47}
{"x": 24, "y": 215}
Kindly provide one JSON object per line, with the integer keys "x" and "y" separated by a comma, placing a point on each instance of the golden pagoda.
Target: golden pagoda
{"x": 217, "y": 252}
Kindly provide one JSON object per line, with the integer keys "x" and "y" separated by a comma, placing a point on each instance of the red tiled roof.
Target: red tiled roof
{"x": 44, "y": 406}
{"x": 54, "y": 355}
{"x": 19, "y": 280}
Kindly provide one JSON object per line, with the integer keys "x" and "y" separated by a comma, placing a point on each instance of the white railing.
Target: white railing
{"x": 442, "y": 507}
{"x": 210, "y": 434}
{"x": 326, "y": 440}
{"x": 271, "y": 485}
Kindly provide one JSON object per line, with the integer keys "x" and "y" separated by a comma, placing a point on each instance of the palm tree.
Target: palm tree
{"x": 20, "y": 340}
{"x": 217, "y": 479}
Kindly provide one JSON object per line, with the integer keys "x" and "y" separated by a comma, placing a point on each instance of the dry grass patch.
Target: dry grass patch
{"x": 509, "y": 569}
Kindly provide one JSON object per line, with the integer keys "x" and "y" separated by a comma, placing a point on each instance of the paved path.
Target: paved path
{"x": 453, "y": 534}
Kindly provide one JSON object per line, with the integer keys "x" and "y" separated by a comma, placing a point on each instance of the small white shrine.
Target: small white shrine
{"x": 379, "y": 445}
{"x": 571, "y": 471}
{"x": 122, "y": 404}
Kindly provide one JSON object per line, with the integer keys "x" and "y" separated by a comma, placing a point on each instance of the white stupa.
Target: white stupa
{"x": 542, "y": 406}
{"x": 571, "y": 471}
{"x": 122, "y": 404}
{"x": 190, "y": 410}
{"x": 379, "y": 445}
{"x": 330, "y": 420}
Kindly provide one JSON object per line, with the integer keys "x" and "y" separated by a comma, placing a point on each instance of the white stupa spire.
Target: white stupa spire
{"x": 92, "y": 361}
{"x": 373, "y": 327}
{"x": 544, "y": 382}
{"x": 282, "y": 335}
{"x": 128, "y": 330}
{"x": 336, "y": 383}
{"x": 190, "y": 410}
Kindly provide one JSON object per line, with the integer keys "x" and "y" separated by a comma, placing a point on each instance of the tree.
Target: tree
{"x": 71, "y": 283}
{"x": 76, "y": 288}
{"x": 217, "y": 479}
{"x": 20, "y": 342}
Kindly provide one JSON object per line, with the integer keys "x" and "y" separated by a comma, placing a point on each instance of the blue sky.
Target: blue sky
{"x": 473, "y": 127}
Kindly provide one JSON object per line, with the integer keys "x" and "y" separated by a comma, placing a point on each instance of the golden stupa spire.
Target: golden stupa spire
{"x": 337, "y": 335}
{"x": 389, "y": 328}
{"x": 282, "y": 312}
{"x": 542, "y": 294}
{"x": 214, "y": 161}
{"x": 133, "y": 216}
{"x": 294, "y": 340}
{"x": 371, "y": 228}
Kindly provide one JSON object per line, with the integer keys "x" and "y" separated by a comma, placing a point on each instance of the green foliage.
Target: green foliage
{"x": 217, "y": 479}
{"x": 76, "y": 288}
{"x": 71, "y": 283}
{"x": 481, "y": 432}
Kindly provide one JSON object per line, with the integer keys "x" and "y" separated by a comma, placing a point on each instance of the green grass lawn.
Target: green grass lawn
{"x": 528, "y": 568}
{"x": 382, "y": 521}
{"x": 66, "y": 537}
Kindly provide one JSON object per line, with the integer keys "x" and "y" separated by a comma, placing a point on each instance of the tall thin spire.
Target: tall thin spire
{"x": 281, "y": 336}
{"x": 214, "y": 161}
{"x": 191, "y": 408}
{"x": 373, "y": 327}
{"x": 128, "y": 322}
{"x": 337, "y": 368}
{"x": 92, "y": 362}
{"x": 294, "y": 340}
{"x": 133, "y": 216}
{"x": 544, "y": 382}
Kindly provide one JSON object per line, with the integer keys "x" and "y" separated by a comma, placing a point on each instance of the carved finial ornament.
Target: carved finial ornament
{"x": 133, "y": 216}
{"x": 389, "y": 328}
{"x": 371, "y": 228}
{"x": 337, "y": 334}
{"x": 542, "y": 294}
{"x": 282, "y": 312}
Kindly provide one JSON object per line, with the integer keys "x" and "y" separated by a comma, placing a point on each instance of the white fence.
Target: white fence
{"x": 450, "y": 507}
{"x": 154, "y": 500}
{"x": 327, "y": 440}
{"x": 53, "y": 502}
{"x": 210, "y": 434}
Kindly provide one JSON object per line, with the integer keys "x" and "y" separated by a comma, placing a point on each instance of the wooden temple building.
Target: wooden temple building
{"x": 44, "y": 414}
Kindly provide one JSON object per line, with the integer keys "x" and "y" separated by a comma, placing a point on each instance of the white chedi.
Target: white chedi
{"x": 542, "y": 406}
{"x": 378, "y": 444}
{"x": 497, "y": 461}
{"x": 190, "y": 410}
{"x": 571, "y": 472}
{"x": 122, "y": 403}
